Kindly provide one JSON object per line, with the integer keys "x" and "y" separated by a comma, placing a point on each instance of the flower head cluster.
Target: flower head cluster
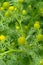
{"x": 2, "y": 37}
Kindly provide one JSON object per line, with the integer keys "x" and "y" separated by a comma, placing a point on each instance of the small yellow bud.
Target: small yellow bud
{"x": 39, "y": 37}
{"x": 21, "y": 1}
{"x": 6, "y": 5}
{"x": 41, "y": 62}
{"x": 2, "y": 37}
{"x": 7, "y": 14}
{"x": 1, "y": 8}
{"x": 36, "y": 25}
{"x": 29, "y": 6}
{"x": 11, "y": 8}
{"x": 17, "y": 27}
{"x": 21, "y": 40}
{"x": 24, "y": 12}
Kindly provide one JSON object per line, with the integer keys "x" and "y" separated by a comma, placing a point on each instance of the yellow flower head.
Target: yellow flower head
{"x": 39, "y": 37}
{"x": 41, "y": 62}
{"x": 21, "y": 40}
{"x": 6, "y": 4}
{"x": 17, "y": 27}
{"x": 7, "y": 14}
{"x": 11, "y": 8}
{"x": 29, "y": 6}
{"x": 24, "y": 12}
{"x": 36, "y": 25}
{"x": 1, "y": 8}
{"x": 2, "y": 38}
{"x": 21, "y": 1}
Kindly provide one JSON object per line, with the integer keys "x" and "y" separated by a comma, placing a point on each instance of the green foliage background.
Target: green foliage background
{"x": 10, "y": 52}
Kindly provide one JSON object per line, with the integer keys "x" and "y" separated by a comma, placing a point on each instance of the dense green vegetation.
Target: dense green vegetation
{"x": 21, "y": 32}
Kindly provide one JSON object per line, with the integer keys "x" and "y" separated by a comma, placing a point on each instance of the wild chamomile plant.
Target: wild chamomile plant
{"x": 21, "y": 32}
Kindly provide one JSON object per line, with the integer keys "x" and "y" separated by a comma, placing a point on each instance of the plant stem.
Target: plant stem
{"x": 9, "y": 51}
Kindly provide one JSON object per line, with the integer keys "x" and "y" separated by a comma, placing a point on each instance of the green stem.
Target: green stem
{"x": 19, "y": 21}
{"x": 9, "y": 51}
